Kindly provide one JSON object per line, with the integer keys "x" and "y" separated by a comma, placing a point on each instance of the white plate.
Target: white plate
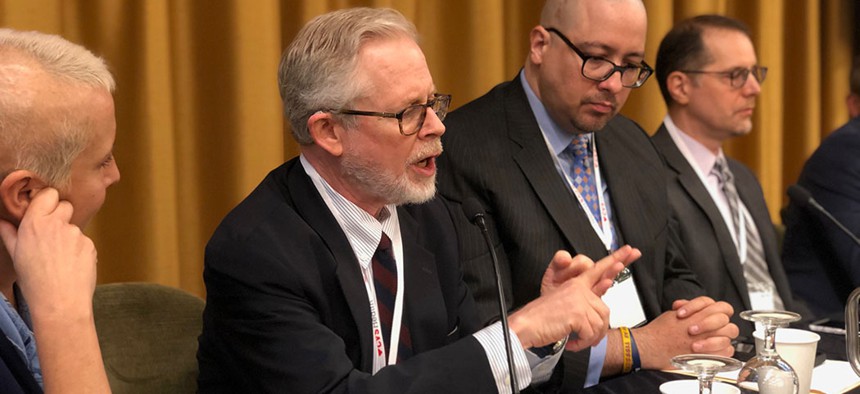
{"x": 692, "y": 386}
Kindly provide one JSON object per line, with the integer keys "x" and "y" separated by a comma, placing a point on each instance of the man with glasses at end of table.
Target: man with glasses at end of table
{"x": 710, "y": 77}
{"x": 556, "y": 168}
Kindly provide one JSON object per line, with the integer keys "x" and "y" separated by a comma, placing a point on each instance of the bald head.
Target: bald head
{"x": 564, "y": 13}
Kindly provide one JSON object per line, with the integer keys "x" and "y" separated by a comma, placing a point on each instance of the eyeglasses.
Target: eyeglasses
{"x": 737, "y": 77}
{"x": 411, "y": 118}
{"x": 600, "y": 69}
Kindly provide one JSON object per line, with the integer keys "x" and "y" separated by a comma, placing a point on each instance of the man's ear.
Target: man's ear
{"x": 538, "y": 42}
{"x": 678, "y": 85}
{"x": 16, "y": 192}
{"x": 853, "y": 102}
{"x": 326, "y": 133}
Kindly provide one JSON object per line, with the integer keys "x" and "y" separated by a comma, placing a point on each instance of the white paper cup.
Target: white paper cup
{"x": 687, "y": 386}
{"x": 797, "y": 348}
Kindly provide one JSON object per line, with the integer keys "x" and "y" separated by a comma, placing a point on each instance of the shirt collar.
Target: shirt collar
{"x": 693, "y": 150}
{"x": 361, "y": 229}
{"x": 557, "y": 138}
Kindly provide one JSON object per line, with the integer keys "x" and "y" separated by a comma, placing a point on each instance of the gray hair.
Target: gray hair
{"x": 49, "y": 151}
{"x": 317, "y": 70}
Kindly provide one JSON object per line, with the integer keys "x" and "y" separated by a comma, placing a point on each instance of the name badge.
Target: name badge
{"x": 623, "y": 301}
{"x": 761, "y": 296}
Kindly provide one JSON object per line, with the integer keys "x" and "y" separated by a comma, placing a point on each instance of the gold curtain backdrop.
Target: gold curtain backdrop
{"x": 200, "y": 122}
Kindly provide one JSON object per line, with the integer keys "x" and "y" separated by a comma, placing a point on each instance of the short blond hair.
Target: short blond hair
{"x": 47, "y": 153}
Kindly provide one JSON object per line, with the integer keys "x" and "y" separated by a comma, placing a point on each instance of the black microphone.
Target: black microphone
{"x": 475, "y": 213}
{"x": 803, "y": 198}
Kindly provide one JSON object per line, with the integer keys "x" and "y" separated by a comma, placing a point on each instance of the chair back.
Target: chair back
{"x": 148, "y": 337}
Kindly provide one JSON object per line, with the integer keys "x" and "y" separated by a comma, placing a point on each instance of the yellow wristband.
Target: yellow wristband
{"x": 627, "y": 346}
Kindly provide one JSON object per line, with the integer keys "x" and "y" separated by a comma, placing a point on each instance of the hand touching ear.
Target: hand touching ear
{"x": 56, "y": 270}
{"x": 17, "y": 190}
{"x": 55, "y": 263}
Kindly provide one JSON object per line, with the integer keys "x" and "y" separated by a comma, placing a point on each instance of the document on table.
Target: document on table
{"x": 834, "y": 377}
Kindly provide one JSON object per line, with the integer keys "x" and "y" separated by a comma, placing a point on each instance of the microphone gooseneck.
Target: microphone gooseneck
{"x": 803, "y": 198}
{"x": 475, "y": 213}
{"x": 799, "y": 195}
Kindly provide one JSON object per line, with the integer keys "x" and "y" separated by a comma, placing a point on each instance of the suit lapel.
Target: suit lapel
{"x": 310, "y": 205}
{"x": 540, "y": 170}
{"x": 627, "y": 205}
{"x": 424, "y": 306}
{"x": 690, "y": 182}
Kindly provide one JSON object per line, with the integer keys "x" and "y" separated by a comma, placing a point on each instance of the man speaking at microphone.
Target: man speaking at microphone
{"x": 340, "y": 272}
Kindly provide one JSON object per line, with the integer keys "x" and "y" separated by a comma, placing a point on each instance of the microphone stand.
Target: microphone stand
{"x": 475, "y": 213}
{"x": 503, "y": 310}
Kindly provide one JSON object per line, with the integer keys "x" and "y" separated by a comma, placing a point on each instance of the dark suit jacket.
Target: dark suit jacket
{"x": 495, "y": 152}
{"x": 823, "y": 264}
{"x": 15, "y": 377}
{"x": 287, "y": 310}
{"x": 708, "y": 245}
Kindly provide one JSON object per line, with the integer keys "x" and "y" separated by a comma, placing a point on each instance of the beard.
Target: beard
{"x": 590, "y": 126}
{"x": 743, "y": 128}
{"x": 395, "y": 189}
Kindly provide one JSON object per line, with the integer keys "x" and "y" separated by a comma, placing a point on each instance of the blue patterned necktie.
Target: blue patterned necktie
{"x": 385, "y": 285}
{"x": 582, "y": 172}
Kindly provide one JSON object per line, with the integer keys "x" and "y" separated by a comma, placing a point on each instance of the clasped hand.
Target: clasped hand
{"x": 700, "y": 325}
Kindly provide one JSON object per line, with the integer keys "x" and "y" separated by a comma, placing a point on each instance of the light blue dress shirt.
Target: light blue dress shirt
{"x": 557, "y": 141}
{"x": 16, "y": 326}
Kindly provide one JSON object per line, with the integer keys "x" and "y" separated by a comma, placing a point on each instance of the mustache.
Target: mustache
{"x": 433, "y": 148}
{"x": 602, "y": 98}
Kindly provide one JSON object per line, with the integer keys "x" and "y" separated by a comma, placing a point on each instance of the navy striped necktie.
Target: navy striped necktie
{"x": 385, "y": 284}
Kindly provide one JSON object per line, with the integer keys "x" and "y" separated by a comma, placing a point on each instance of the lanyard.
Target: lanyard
{"x": 380, "y": 358}
{"x": 346, "y": 218}
{"x": 603, "y": 229}
{"x": 742, "y": 233}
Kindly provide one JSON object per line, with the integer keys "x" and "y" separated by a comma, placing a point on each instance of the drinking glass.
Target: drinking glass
{"x": 767, "y": 372}
{"x": 705, "y": 366}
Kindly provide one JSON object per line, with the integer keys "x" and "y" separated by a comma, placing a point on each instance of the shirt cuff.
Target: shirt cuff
{"x": 493, "y": 342}
{"x": 542, "y": 367}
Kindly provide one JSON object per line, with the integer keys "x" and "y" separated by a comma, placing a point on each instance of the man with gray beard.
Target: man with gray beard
{"x": 340, "y": 272}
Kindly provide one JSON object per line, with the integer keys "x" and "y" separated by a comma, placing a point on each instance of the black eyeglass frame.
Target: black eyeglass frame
{"x": 643, "y": 67}
{"x": 444, "y": 101}
{"x": 738, "y": 73}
